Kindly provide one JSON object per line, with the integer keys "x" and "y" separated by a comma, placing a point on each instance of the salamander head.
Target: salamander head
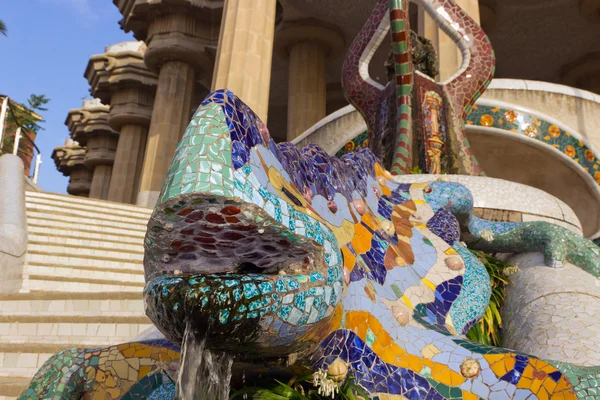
{"x": 235, "y": 245}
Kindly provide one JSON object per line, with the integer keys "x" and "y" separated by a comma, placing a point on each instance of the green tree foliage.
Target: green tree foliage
{"x": 2, "y": 28}
{"x": 27, "y": 117}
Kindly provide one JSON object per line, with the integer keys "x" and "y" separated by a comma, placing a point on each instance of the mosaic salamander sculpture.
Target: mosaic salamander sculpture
{"x": 269, "y": 250}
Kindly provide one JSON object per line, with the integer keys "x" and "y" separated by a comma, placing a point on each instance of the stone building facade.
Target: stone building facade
{"x": 284, "y": 58}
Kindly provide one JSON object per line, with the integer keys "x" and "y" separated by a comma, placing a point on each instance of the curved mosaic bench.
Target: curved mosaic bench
{"x": 553, "y": 313}
{"x": 535, "y": 125}
{"x": 505, "y": 201}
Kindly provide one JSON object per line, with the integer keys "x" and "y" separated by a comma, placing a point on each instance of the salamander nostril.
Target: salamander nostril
{"x": 250, "y": 268}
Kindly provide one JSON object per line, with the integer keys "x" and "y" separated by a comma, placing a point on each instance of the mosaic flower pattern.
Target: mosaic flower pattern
{"x": 359, "y": 142}
{"x": 544, "y": 131}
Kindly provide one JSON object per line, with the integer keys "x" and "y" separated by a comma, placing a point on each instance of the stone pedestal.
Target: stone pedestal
{"x": 447, "y": 51}
{"x": 307, "y": 44}
{"x": 245, "y": 52}
{"x": 180, "y": 39}
{"x": 69, "y": 160}
{"x": 119, "y": 77}
{"x": 89, "y": 127}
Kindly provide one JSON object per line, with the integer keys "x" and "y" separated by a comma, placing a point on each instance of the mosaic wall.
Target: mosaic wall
{"x": 546, "y": 132}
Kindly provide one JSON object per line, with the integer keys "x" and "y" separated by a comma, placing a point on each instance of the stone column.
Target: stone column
{"x": 119, "y": 77}
{"x": 180, "y": 39}
{"x": 69, "y": 159}
{"x": 89, "y": 127}
{"x": 583, "y": 73}
{"x": 449, "y": 57}
{"x": 306, "y": 44}
{"x": 335, "y": 98}
{"x": 245, "y": 52}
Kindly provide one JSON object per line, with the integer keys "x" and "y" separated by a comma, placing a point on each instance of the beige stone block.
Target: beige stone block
{"x": 107, "y": 330}
{"x": 27, "y": 360}
{"x": 44, "y": 328}
{"x": 4, "y": 328}
{"x": 79, "y": 329}
{"x": 11, "y": 360}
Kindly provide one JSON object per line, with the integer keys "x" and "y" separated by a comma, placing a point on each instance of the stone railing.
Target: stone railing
{"x": 13, "y": 224}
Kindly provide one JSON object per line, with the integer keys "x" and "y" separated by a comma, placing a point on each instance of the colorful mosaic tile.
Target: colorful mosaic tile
{"x": 546, "y": 132}
{"x": 127, "y": 371}
{"x": 387, "y": 110}
{"x": 268, "y": 251}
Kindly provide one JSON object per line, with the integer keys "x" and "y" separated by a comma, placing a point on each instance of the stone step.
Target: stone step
{"x": 70, "y": 245}
{"x": 58, "y": 207}
{"x": 20, "y": 307}
{"x": 54, "y": 226}
{"x": 82, "y": 202}
{"x": 44, "y": 283}
{"x": 85, "y": 275}
{"x": 77, "y": 331}
{"x": 52, "y": 232}
{"x": 87, "y": 243}
{"x": 98, "y": 254}
{"x": 43, "y": 295}
{"x": 19, "y": 366}
{"x": 48, "y": 258}
{"x": 77, "y": 223}
{"x": 12, "y": 386}
{"x": 74, "y": 214}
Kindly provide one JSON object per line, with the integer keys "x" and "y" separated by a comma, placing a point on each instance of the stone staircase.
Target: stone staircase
{"x": 82, "y": 286}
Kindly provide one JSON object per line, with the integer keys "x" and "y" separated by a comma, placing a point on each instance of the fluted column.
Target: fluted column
{"x": 89, "y": 127}
{"x": 120, "y": 78}
{"x": 181, "y": 37}
{"x": 307, "y": 44}
{"x": 170, "y": 117}
{"x": 69, "y": 160}
{"x": 100, "y": 157}
{"x": 307, "y": 87}
{"x": 245, "y": 51}
{"x": 178, "y": 60}
{"x": 449, "y": 56}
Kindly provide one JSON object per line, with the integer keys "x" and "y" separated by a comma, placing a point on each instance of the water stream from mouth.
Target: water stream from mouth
{"x": 203, "y": 374}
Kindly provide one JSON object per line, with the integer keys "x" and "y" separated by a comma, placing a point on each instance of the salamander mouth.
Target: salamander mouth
{"x": 234, "y": 273}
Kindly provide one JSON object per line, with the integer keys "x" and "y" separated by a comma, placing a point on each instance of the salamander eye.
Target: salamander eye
{"x": 428, "y": 189}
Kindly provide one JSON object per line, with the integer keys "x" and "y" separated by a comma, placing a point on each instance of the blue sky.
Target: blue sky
{"x": 47, "y": 49}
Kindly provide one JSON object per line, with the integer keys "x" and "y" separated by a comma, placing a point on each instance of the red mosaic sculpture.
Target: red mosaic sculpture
{"x": 387, "y": 110}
